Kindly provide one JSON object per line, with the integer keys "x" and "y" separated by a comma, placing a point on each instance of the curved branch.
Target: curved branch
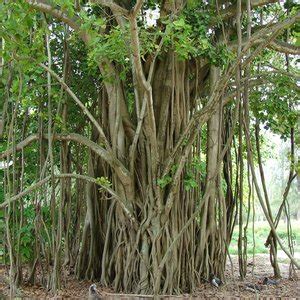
{"x": 231, "y": 11}
{"x": 43, "y": 6}
{"x": 137, "y": 7}
{"x": 40, "y": 183}
{"x": 112, "y": 5}
{"x": 80, "y": 104}
{"x": 74, "y": 22}
{"x": 25, "y": 192}
{"x": 262, "y": 78}
{"x": 120, "y": 169}
{"x": 284, "y": 47}
{"x": 19, "y": 146}
{"x": 283, "y": 72}
{"x": 259, "y": 195}
{"x": 276, "y": 45}
{"x": 259, "y": 37}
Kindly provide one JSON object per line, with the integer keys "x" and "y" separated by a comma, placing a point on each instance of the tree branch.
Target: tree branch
{"x": 112, "y": 5}
{"x": 276, "y": 45}
{"x": 43, "y": 6}
{"x": 74, "y": 22}
{"x": 135, "y": 45}
{"x": 40, "y": 183}
{"x": 283, "y": 72}
{"x": 202, "y": 116}
{"x": 105, "y": 67}
{"x": 19, "y": 146}
{"x": 284, "y": 47}
{"x": 80, "y": 104}
{"x": 25, "y": 192}
{"x": 137, "y": 7}
{"x": 120, "y": 169}
{"x": 231, "y": 11}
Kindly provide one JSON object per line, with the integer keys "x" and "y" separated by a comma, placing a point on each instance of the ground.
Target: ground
{"x": 286, "y": 288}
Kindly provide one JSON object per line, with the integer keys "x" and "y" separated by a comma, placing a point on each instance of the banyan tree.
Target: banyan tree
{"x": 130, "y": 136}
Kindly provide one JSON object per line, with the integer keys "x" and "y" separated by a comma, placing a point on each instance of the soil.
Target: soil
{"x": 232, "y": 288}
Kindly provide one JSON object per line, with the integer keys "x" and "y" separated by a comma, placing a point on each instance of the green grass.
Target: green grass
{"x": 261, "y": 232}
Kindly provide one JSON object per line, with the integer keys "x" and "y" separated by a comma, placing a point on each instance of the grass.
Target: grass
{"x": 261, "y": 232}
